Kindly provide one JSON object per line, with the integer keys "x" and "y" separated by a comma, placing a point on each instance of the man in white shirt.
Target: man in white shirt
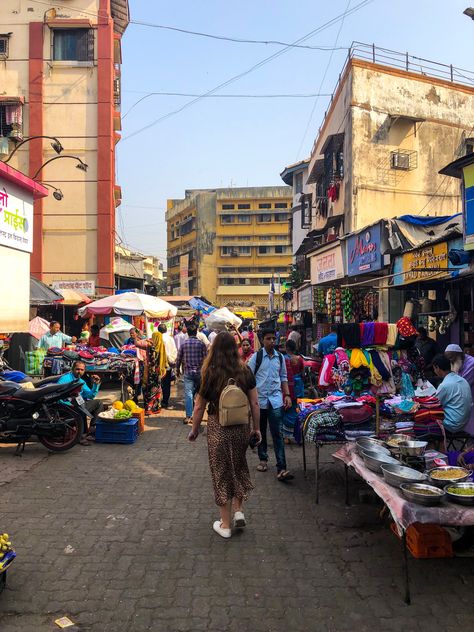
{"x": 180, "y": 337}
{"x": 55, "y": 337}
{"x": 295, "y": 336}
{"x": 171, "y": 355}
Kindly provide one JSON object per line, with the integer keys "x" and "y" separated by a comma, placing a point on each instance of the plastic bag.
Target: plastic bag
{"x": 220, "y": 318}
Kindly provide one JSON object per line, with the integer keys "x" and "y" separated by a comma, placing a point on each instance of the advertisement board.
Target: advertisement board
{"x": 82, "y": 285}
{"x": 184, "y": 274}
{"x": 422, "y": 264}
{"x": 363, "y": 252}
{"x": 16, "y": 217}
{"x": 327, "y": 266}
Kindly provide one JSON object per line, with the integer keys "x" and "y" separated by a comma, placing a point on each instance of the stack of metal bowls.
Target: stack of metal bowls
{"x": 422, "y": 494}
{"x": 368, "y": 443}
{"x": 394, "y": 448}
{"x": 412, "y": 448}
{"x": 396, "y": 474}
{"x": 463, "y": 499}
{"x": 374, "y": 459}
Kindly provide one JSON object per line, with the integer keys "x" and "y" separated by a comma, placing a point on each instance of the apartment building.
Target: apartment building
{"x": 228, "y": 244}
{"x": 60, "y": 78}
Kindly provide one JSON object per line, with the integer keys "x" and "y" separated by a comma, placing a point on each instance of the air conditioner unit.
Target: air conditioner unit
{"x": 400, "y": 160}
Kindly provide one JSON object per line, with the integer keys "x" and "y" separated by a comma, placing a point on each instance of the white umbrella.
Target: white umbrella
{"x": 130, "y": 304}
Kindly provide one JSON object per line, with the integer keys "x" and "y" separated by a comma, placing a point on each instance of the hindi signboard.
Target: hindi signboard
{"x": 16, "y": 217}
{"x": 86, "y": 287}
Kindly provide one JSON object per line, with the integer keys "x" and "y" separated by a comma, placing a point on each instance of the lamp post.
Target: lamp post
{"x": 57, "y": 193}
{"x": 56, "y": 145}
{"x": 469, "y": 12}
{"x": 82, "y": 165}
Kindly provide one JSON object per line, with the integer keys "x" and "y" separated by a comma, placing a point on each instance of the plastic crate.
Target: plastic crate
{"x": 141, "y": 420}
{"x": 427, "y": 540}
{"x": 117, "y": 432}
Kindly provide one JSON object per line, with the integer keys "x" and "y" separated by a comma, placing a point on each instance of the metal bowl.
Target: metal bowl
{"x": 374, "y": 461}
{"x": 413, "y": 448}
{"x": 397, "y": 475}
{"x": 409, "y": 490}
{"x": 368, "y": 443}
{"x": 400, "y": 437}
{"x": 442, "y": 482}
{"x": 458, "y": 498}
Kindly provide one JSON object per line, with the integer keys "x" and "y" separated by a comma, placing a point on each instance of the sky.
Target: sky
{"x": 222, "y": 142}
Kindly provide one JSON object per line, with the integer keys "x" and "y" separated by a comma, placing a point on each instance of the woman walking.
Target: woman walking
{"x": 227, "y": 445}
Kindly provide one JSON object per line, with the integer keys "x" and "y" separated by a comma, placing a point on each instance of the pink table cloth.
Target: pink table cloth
{"x": 404, "y": 513}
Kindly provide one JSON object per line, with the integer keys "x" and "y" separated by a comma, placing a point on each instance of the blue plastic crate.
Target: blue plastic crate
{"x": 116, "y": 432}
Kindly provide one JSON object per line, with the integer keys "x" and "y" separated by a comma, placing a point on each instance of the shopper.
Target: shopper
{"x": 190, "y": 358}
{"x": 454, "y": 394}
{"x": 295, "y": 372}
{"x": 55, "y": 337}
{"x": 227, "y": 445}
{"x": 295, "y": 336}
{"x": 463, "y": 365}
{"x": 328, "y": 343}
{"x": 245, "y": 350}
{"x": 269, "y": 369}
{"x": 171, "y": 356}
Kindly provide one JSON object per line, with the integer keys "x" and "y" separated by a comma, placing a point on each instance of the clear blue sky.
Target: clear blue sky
{"x": 246, "y": 142}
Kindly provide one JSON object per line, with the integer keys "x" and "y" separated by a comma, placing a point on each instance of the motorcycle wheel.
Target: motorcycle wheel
{"x": 73, "y": 420}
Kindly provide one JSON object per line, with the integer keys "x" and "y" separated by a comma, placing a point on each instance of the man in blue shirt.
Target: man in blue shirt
{"x": 454, "y": 393}
{"x": 269, "y": 369}
{"x": 94, "y": 406}
{"x": 328, "y": 344}
{"x": 55, "y": 337}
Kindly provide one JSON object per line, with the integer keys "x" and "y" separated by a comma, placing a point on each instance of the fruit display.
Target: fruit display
{"x": 7, "y": 554}
{"x": 121, "y": 411}
{"x": 118, "y": 405}
{"x": 130, "y": 405}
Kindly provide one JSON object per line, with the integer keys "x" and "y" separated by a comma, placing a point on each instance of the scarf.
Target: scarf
{"x": 159, "y": 346}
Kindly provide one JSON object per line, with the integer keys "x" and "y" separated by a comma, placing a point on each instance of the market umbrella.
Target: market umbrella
{"x": 38, "y": 326}
{"x": 73, "y": 297}
{"x": 130, "y": 304}
{"x": 116, "y": 325}
{"x": 41, "y": 294}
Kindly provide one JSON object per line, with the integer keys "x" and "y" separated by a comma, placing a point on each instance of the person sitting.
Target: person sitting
{"x": 328, "y": 343}
{"x": 454, "y": 394}
{"x": 55, "y": 337}
{"x": 94, "y": 338}
{"x": 94, "y": 406}
{"x": 463, "y": 365}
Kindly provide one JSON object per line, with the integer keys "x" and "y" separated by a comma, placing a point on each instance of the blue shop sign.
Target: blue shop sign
{"x": 363, "y": 251}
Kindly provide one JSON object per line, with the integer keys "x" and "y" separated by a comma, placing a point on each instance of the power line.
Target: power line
{"x": 225, "y": 96}
{"x": 323, "y": 80}
{"x": 259, "y": 64}
{"x": 237, "y": 40}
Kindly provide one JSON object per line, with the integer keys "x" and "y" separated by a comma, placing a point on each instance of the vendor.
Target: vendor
{"x": 454, "y": 394}
{"x": 55, "y": 337}
{"x": 327, "y": 344}
{"x": 463, "y": 365}
{"x": 134, "y": 337}
{"x": 427, "y": 347}
{"x": 94, "y": 338}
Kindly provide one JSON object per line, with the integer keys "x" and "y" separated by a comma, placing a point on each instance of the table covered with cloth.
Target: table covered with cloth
{"x": 405, "y": 513}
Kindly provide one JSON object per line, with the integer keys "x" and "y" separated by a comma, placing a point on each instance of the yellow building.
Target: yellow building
{"x": 228, "y": 244}
{"x": 60, "y": 77}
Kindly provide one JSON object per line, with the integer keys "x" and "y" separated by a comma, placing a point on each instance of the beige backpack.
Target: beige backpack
{"x": 233, "y": 406}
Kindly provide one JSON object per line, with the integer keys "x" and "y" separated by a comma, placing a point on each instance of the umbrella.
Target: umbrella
{"x": 130, "y": 304}
{"x": 41, "y": 294}
{"x": 38, "y": 326}
{"x": 73, "y": 297}
{"x": 116, "y": 325}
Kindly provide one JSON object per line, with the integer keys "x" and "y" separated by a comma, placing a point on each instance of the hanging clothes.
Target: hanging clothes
{"x": 406, "y": 327}
{"x": 392, "y": 335}
{"x": 380, "y": 333}
{"x": 348, "y": 336}
{"x": 368, "y": 334}
{"x": 358, "y": 359}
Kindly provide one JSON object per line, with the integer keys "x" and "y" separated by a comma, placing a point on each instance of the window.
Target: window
{"x": 235, "y": 251}
{"x": 227, "y": 219}
{"x": 11, "y": 120}
{"x": 279, "y": 250}
{"x": 4, "y": 40}
{"x": 263, "y": 250}
{"x": 228, "y": 207}
{"x": 243, "y": 219}
{"x": 265, "y": 205}
{"x": 187, "y": 226}
{"x": 298, "y": 183}
{"x": 281, "y": 205}
{"x": 244, "y": 207}
{"x": 73, "y": 45}
{"x": 281, "y": 217}
{"x": 264, "y": 217}
{"x": 306, "y": 210}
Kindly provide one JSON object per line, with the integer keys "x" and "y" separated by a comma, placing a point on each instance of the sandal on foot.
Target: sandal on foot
{"x": 224, "y": 533}
{"x": 262, "y": 467}
{"x": 284, "y": 475}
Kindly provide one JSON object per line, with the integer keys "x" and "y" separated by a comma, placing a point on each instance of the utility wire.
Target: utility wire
{"x": 225, "y": 96}
{"x": 259, "y": 64}
{"x": 323, "y": 80}
{"x": 237, "y": 40}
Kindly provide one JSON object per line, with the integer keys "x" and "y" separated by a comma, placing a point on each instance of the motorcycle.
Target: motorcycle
{"x": 53, "y": 413}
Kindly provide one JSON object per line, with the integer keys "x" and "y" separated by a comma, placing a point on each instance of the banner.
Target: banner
{"x": 422, "y": 264}
{"x": 363, "y": 252}
{"x": 184, "y": 275}
{"x": 16, "y": 217}
{"x": 86, "y": 287}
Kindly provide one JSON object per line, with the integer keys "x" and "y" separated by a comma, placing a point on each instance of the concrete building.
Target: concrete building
{"x": 227, "y": 244}
{"x": 296, "y": 176}
{"x": 60, "y": 77}
{"x": 134, "y": 270}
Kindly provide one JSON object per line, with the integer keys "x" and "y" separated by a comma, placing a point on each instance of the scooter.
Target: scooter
{"x": 53, "y": 413}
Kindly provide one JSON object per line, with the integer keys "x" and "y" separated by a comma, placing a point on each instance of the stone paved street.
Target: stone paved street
{"x": 119, "y": 539}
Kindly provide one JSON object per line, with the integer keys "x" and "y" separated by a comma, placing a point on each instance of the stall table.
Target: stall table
{"x": 404, "y": 513}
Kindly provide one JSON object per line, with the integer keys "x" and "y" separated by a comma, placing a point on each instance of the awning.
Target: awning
{"x": 41, "y": 294}
{"x": 73, "y": 297}
{"x": 316, "y": 171}
{"x": 309, "y": 242}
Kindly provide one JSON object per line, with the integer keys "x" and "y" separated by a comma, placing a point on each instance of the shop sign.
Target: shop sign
{"x": 305, "y": 299}
{"x": 184, "y": 274}
{"x": 468, "y": 207}
{"x": 86, "y": 287}
{"x": 16, "y": 218}
{"x": 417, "y": 265}
{"x": 363, "y": 252}
{"x": 327, "y": 266}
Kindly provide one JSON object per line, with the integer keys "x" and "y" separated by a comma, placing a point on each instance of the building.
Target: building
{"x": 17, "y": 195}
{"x": 228, "y": 244}
{"x": 60, "y": 77}
{"x": 137, "y": 271}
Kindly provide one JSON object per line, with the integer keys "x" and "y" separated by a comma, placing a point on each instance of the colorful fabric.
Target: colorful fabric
{"x": 380, "y": 333}
{"x": 367, "y": 334}
{"x": 358, "y": 359}
{"x": 325, "y": 375}
{"x": 321, "y": 424}
{"x": 391, "y": 335}
{"x": 406, "y": 328}
{"x": 348, "y": 336}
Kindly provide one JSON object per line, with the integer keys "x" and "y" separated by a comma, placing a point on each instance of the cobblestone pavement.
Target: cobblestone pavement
{"x": 119, "y": 539}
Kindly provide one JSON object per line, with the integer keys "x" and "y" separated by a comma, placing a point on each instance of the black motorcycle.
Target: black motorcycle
{"x": 53, "y": 413}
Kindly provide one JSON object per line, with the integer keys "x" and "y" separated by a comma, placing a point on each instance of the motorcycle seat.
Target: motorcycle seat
{"x": 7, "y": 388}
{"x": 38, "y": 393}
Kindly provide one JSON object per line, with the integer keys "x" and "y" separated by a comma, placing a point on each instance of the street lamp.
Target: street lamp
{"x": 469, "y": 12}
{"x": 57, "y": 193}
{"x": 56, "y": 145}
{"x": 81, "y": 165}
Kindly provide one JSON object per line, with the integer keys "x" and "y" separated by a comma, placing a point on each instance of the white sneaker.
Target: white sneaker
{"x": 224, "y": 533}
{"x": 239, "y": 520}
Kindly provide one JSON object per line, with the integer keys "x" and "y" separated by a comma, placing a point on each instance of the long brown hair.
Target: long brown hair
{"x": 222, "y": 363}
